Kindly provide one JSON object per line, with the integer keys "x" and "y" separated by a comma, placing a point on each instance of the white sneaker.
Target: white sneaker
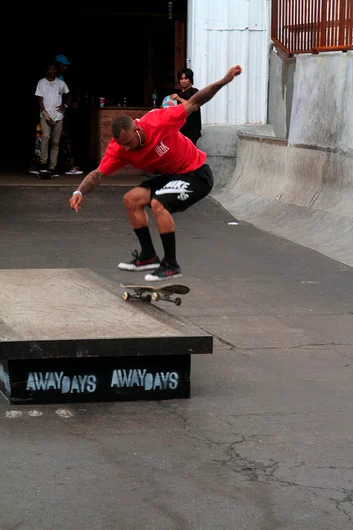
{"x": 138, "y": 263}
{"x": 165, "y": 271}
{"x": 74, "y": 171}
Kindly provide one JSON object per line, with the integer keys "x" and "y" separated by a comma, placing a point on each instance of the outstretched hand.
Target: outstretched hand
{"x": 233, "y": 72}
{"x": 75, "y": 202}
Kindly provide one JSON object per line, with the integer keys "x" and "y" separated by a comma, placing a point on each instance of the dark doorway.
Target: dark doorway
{"x": 127, "y": 53}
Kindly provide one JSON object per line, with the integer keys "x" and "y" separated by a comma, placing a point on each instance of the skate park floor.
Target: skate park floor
{"x": 264, "y": 442}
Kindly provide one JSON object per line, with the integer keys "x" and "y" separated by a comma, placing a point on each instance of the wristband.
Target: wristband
{"x": 77, "y": 193}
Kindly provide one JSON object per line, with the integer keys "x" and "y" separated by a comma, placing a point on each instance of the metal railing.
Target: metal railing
{"x": 312, "y": 26}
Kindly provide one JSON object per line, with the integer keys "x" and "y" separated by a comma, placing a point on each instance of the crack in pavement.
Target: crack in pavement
{"x": 241, "y": 349}
{"x": 348, "y": 499}
{"x": 266, "y": 474}
{"x": 223, "y": 341}
{"x": 254, "y": 471}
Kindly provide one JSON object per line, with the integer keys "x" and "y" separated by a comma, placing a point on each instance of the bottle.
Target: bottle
{"x": 154, "y": 99}
{"x": 124, "y": 102}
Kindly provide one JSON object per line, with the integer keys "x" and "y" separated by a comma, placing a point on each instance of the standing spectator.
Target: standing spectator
{"x": 192, "y": 127}
{"x": 62, "y": 65}
{"x": 50, "y": 91}
{"x": 66, "y": 139}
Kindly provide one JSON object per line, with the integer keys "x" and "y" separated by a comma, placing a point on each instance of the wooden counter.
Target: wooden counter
{"x": 101, "y": 126}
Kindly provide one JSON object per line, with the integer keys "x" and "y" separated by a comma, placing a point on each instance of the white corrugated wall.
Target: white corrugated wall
{"x": 222, "y": 33}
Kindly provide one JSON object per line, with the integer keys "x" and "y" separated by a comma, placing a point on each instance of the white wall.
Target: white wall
{"x": 222, "y": 33}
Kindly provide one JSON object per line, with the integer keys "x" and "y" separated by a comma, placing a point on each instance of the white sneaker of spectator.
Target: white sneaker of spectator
{"x": 74, "y": 171}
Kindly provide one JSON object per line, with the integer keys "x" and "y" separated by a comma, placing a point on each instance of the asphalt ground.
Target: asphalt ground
{"x": 265, "y": 441}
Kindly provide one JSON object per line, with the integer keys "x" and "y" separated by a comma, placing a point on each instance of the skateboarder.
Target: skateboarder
{"x": 154, "y": 143}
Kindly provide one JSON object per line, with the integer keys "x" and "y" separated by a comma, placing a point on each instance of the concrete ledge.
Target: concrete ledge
{"x": 67, "y": 335}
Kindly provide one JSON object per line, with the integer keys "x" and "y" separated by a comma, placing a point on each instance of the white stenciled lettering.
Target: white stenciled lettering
{"x": 41, "y": 381}
{"x": 144, "y": 379}
{"x": 63, "y": 383}
{"x": 4, "y": 378}
{"x": 157, "y": 382}
{"x": 58, "y": 378}
{"x": 74, "y": 385}
{"x": 91, "y": 383}
{"x": 148, "y": 382}
{"x": 125, "y": 377}
{"x": 115, "y": 380}
{"x": 128, "y": 378}
{"x": 135, "y": 379}
{"x": 66, "y": 385}
{"x": 142, "y": 374}
{"x": 31, "y": 385}
{"x": 173, "y": 380}
{"x": 51, "y": 381}
{"x": 82, "y": 380}
{"x": 121, "y": 378}
{"x": 164, "y": 378}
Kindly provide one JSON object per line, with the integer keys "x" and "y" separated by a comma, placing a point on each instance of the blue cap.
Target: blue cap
{"x": 62, "y": 59}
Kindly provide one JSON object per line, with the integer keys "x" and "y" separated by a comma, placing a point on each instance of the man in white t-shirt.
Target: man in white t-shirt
{"x": 50, "y": 91}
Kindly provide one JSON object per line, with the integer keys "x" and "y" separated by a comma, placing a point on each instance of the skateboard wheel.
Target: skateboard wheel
{"x": 126, "y": 296}
{"x": 148, "y": 298}
{"x": 155, "y": 297}
{"x": 178, "y": 301}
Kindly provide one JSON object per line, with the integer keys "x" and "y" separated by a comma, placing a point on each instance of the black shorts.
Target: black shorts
{"x": 179, "y": 192}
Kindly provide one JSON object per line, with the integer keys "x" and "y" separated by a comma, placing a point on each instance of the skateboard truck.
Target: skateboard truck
{"x": 166, "y": 298}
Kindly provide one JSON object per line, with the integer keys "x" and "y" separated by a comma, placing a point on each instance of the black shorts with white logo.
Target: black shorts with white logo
{"x": 179, "y": 192}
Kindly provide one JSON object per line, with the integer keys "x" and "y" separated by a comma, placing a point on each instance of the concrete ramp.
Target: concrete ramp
{"x": 302, "y": 189}
{"x": 299, "y": 193}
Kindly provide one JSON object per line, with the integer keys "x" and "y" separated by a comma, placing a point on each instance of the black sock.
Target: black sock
{"x": 145, "y": 240}
{"x": 168, "y": 241}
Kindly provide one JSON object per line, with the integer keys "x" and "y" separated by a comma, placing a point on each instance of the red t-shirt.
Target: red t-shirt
{"x": 166, "y": 150}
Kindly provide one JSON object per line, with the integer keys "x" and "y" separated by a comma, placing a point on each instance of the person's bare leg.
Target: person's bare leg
{"x": 135, "y": 202}
{"x": 164, "y": 219}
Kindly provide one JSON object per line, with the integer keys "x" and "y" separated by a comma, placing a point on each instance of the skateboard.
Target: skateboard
{"x": 147, "y": 293}
{"x": 33, "y": 168}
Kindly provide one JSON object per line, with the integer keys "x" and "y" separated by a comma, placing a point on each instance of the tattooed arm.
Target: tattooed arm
{"x": 90, "y": 182}
{"x": 112, "y": 161}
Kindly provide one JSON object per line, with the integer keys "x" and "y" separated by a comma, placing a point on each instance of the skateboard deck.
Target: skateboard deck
{"x": 147, "y": 293}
